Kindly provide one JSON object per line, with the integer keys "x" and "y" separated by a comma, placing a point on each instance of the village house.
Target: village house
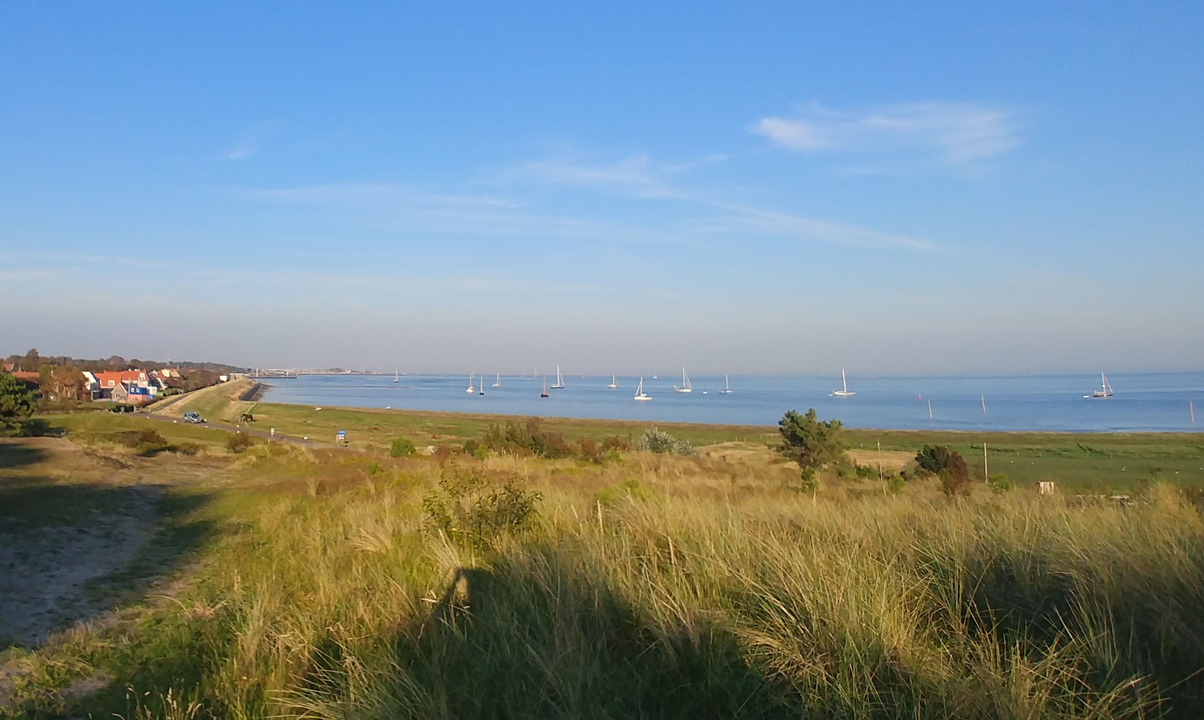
{"x": 136, "y": 387}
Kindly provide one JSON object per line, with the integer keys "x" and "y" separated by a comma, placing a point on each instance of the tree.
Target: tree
{"x": 811, "y": 443}
{"x": 32, "y": 361}
{"x": 61, "y": 383}
{"x": 16, "y": 403}
{"x": 948, "y": 465}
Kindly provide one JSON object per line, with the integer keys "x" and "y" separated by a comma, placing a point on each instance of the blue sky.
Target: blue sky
{"x": 743, "y": 187}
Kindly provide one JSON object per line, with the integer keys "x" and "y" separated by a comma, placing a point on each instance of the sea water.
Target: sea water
{"x": 1142, "y": 401}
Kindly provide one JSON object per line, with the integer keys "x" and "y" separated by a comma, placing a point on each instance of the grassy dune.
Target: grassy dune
{"x": 289, "y": 582}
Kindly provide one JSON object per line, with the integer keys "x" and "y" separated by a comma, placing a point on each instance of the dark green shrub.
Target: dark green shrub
{"x": 948, "y": 465}
{"x": 810, "y": 442}
{"x": 16, "y": 403}
{"x": 401, "y": 447}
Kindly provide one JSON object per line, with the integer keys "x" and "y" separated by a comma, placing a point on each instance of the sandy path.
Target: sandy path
{"x": 44, "y": 570}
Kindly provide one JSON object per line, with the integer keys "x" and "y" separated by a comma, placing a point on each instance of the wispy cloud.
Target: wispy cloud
{"x": 414, "y": 209}
{"x": 248, "y": 143}
{"x": 944, "y": 132}
{"x": 747, "y": 219}
{"x": 634, "y": 175}
{"x": 639, "y": 177}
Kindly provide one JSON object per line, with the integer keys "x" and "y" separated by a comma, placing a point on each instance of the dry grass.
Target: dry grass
{"x": 657, "y": 586}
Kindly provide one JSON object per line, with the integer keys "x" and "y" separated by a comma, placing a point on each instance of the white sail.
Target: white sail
{"x": 685, "y": 383}
{"x": 845, "y": 384}
{"x": 639, "y": 392}
{"x": 559, "y": 380}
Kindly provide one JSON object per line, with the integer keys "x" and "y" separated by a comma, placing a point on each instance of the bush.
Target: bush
{"x": 948, "y": 465}
{"x": 810, "y": 442}
{"x": 238, "y": 442}
{"x": 591, "y": 451}
{"x": 614, "y": 442}
{"x": 659, "y": 441}
{"x": 1001, "y": 484}
{"x": 628, "y": 489}
{"x": 401, "y": 447}
{"x": 16, "y": 403}
{"x": 896, "y": 483}
{"x": 471, "y": 510}
{"x": 526, "y": 439}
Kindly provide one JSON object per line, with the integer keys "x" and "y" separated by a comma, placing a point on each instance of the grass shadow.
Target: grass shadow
{"x": 15, "y": 455}
{"x": 509, "y": 642}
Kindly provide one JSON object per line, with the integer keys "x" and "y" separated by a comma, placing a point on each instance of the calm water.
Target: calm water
{"x": 1143, "y": 401}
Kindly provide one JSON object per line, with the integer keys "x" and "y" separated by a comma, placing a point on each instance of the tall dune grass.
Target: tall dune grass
{"x": 710, "y": 595}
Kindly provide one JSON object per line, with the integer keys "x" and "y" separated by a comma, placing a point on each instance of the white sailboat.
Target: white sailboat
{"x": 845, "y": 383}
{"x": 639, "y": 392}
{"x": 497, "y": 382}
{"x": 685, "y": 383}
{"x": 727, "y": 387}
{"x": 559, "y": 384}
{"x": 396, "y": 375}
{"x": 613, "y": 385}
{"x": 470, "y": 389}
{"x": 1105, "y": 390}
{"x": 544, "y": 393}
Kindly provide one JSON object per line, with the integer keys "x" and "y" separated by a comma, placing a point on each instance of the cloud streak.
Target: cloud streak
{"x": 638, "y": 177}
{"x": 948, "y": 133}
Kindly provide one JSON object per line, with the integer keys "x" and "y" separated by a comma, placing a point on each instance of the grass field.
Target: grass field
{"x": 1092, "y": 462}
{"x": 193, "y": 582}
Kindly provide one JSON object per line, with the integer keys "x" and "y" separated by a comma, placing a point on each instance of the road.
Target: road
{"x": 253, "y": 432}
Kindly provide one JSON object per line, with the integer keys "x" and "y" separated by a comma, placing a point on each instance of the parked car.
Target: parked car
{"x": 191, "y": 417}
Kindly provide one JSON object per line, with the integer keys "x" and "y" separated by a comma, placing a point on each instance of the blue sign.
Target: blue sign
{"x": 342, "y": 436}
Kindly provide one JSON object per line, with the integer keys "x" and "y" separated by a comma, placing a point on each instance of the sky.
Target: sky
{"x": 623, "y": 187}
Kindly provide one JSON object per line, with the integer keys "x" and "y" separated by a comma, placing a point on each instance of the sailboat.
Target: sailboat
{"x": 481, "y": 390}
{"x": 396, "y": 375}
{"x": 845, "y": 392}
{"x": 559, "y": 384}
{"x": 498, "y": 380}
{"x": 639, "y": 392}
{"x": 545, "y": 388}
{"x": 613, "y": 385}
{"x": 1105, "y": 390}
{"x": 685, "y": 383}
{"x": 727, "y": 387}
{"x": 470, "y": 389}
